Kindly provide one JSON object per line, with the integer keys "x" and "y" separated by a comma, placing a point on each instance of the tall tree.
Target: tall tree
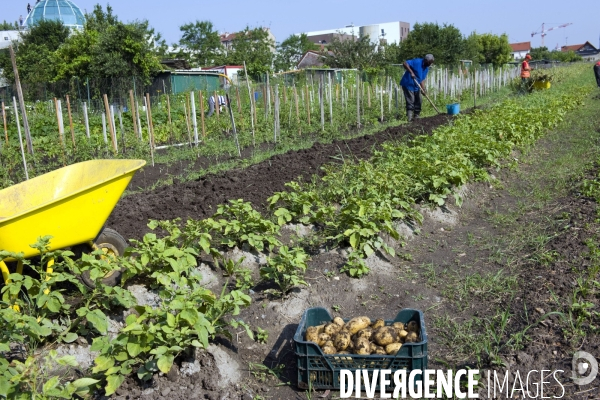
{"x": 445, "y": 42}
{"x": 36, "y": 52}
{"x": 254, "y": 46}
{"x": 200, "y": 43}
{"x": 109, "y": 48}
{"x": 291, "y": 50}
{"x": 360, "y": 53}
{"x": 494, "y": 49}
{"x": 9, "y": 26}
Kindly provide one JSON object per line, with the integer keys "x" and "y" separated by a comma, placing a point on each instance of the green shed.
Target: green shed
{"x": 175, "y": 82}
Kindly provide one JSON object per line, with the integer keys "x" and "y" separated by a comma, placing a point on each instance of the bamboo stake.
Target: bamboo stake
{"x": 321, "y": 105}
{"x": 307, "y": 104}
{"x": 170, "y": 121}
{"x": 149, "y": 129}
{"x": 330, "y": 101}
{"x": 151, "y": 123}
{"x": 202, "y": 114}
{"x": 60, "y": 134}
{"x": 71, "y": 122}
{"x": 20, "y": 138}
{"x": 251, "y": 98}
{"x": 104, "y": 128}
{"x": 187, "y": 124}
{"x": 237, "y": 143}
{"x": 21, "y": 101}
{"x": 357, "y": 100}
{"x": 133, "y": 111}
{"x": 4, "y": 119}
{"x": 297, "y": 110}
{"x": 217, "y": 104}
{"x": 193, "y": 117}
{"x": 276, "y": 114}
{"x": 112, "y": 132}
{"x": 122, "y": 127}
{"x": 86, "y": 120}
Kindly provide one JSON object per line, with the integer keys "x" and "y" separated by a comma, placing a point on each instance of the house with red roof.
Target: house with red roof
{"x": 519, "y": 50}
{"x": 587, "y": 50}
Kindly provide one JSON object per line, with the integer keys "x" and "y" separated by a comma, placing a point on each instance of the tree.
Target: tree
{"x": 109, "y": 48}
{"x": 35, "y": 53}
{"x": 200, "y": 43}
{"x": 9, "y": 26}
{"x": 255, "y": 47}
{"x": 291, "y": 50}
{"x": 542, "y": 53}
{"x": 445, "y": 42}
{"x": 360, "y": 54}
{"x": 494, "y": 49}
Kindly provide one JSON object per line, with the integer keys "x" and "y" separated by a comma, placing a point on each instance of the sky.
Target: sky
{"x": 518, "y": 19}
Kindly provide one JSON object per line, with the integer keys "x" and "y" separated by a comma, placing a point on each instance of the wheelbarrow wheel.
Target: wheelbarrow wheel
{"x": 112, "y": 244}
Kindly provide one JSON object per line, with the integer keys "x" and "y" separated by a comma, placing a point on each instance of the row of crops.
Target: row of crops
{"x": 284, "y": 110}
{"x": 351, "y": 205}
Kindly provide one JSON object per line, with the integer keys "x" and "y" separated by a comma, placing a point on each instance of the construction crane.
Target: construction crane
{"x": 544, "y": 31}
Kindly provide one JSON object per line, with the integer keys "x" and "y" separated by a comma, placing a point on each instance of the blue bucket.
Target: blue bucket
{"x": 453, "y": 109}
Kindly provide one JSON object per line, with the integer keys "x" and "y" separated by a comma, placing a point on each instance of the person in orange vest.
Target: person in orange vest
{"x": 597, "y": 73}
{"x": 525, "y": 68}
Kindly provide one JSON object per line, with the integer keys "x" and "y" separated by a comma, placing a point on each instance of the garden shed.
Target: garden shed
{"x": 174, "y": 82}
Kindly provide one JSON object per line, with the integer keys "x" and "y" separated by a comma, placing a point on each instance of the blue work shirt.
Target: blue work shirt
{"x": 416, "y": 64}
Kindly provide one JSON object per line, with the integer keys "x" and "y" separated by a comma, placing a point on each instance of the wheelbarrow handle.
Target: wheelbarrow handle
{"x": 412, "y": 74}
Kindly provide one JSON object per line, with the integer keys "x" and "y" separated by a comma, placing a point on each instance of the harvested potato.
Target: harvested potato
{"x": 351, "y": 346}
{"x": 377, "y": 349}
{"x": 412, "y": 326}
{"x": 402, "y": 334}
{"x": 356, "y": 324}
{"x": 412, "y": 337}
{"x": 329, "y": 343}
{"x": 342, "y": 340}
{"x": 329, "y": 350}
{"x": 332, "y": 329}
{"x": 312, "y": 334}
{"x": 339, "y": 321}
{"x": 323, "y": 338}
{"x": 367, "y": 332}
{"x": 378, "y": 324}
{"x": 399, "y": 326}
{"x": 393, "y": 348}
{"x": 385, "y": 335}
{"x": 362, "y": 346}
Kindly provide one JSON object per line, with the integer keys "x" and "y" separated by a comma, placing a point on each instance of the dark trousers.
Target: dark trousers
{"x": 597, "y": 73}
{"x": 413, "y": 100}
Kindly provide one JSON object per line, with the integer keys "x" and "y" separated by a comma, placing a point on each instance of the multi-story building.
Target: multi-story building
{"x": 382, "y": 33}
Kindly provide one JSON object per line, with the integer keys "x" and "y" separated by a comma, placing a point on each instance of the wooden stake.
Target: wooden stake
{"x": 122, "y": 128}
{"x": 146, "y": 98}
{"x": 252, "y": 105}
{"x": 297, "y": 110}
{"x": 276, "y": 114}
{"x": 71, "y": 122}
{"x": 21, "y": 101}
{"x": 149, "y": 107}
{"x": 193, "y": 117}
{"x": 133, "y": 111}
{"x": 60, "y": 134}
{"x": 237, "y": 143}
{"x": 202, "y": 114}
{"x": 330, "y": 100}
{"x": 104, "y": 128}
{"x": 170, "y": 121}
{"x": 4, "y": 119}
{"x": 86, "y": 120}
{"x": 357, "y": 100}
{"x": 187, "y": 124}
{"x": 321, "y": 105}
{"x": 307, "y": 104}
{"x": 110, "y": 125}
{"x": 20, "y": 138}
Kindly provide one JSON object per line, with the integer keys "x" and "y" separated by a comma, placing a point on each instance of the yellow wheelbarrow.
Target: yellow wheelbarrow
{"x": 71, "y": 204}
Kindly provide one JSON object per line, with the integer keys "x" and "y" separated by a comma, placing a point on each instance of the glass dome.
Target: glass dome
{"x": 57, "y": 10}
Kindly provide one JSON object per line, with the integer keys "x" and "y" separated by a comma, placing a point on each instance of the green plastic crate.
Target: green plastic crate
{"x": 323, "y": 370}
